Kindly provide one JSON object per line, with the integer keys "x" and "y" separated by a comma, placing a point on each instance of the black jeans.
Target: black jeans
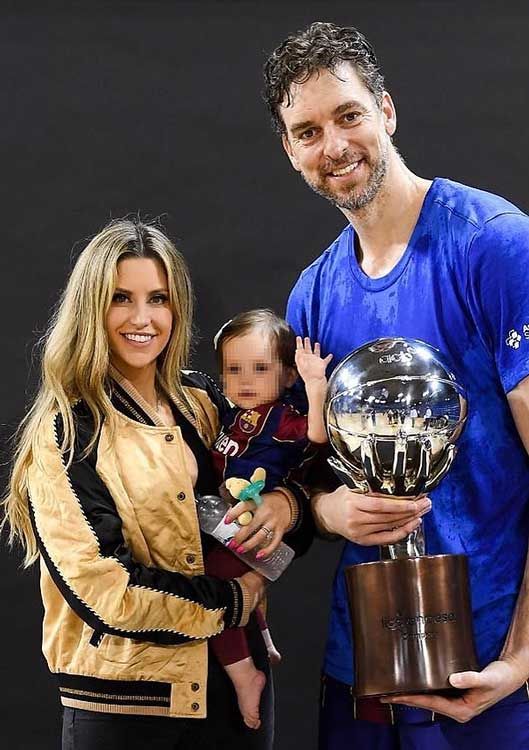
{"x": 223, "y": 729}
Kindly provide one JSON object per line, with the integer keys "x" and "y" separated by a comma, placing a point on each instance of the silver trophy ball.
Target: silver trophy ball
{"x": 394, "y": 412}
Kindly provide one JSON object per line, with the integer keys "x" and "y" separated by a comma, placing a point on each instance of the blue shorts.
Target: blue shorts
{"x": 505, "y": 725}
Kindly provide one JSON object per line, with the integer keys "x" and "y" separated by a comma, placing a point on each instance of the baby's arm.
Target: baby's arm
{"x": 311, "y": 368}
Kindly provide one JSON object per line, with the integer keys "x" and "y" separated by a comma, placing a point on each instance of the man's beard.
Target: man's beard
{"x": 356, "y": 199}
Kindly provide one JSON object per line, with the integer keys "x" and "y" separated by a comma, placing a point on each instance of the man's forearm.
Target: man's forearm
{"x": 516, "y": 647}
{"x": 318, "y": 512}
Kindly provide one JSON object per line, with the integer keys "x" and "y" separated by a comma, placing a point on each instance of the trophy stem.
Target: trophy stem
{"x": 412, "y": 546}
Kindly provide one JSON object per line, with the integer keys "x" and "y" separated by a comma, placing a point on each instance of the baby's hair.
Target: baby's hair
{"x": 280, "y": 333}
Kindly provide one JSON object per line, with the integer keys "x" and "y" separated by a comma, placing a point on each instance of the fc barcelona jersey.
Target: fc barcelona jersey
{"x": 272, "y": 436}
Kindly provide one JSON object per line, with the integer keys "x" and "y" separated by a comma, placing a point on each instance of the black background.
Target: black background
{"x": 115, "y": 108}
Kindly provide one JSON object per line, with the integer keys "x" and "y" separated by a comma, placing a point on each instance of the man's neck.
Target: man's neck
{"x": 385, "y": 226}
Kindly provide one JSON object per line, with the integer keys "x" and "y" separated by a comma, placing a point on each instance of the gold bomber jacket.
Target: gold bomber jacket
{"x": 127, "y": 606}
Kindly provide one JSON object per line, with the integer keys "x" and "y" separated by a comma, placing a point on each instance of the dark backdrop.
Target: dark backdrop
{"x": 148, "y": 106}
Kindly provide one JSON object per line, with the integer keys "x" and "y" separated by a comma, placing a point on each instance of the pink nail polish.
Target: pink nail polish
{"x": 227, "y": 521}
{"x": 259, "y": 555}
{"x": 240, "y": 549}
{"x": 232, "y": 544}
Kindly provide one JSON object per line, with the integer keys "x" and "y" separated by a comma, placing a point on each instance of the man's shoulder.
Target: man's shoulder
{"x": 473, "y": 206}
{"x": 332, "y": 257}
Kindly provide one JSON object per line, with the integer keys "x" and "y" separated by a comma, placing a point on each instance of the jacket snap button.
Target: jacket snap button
{"x": 195, "y": 686}
{"x": 181, "y": 496}
{"x": 195, "y": 706}
{"x": 169, "y": 437}
{"x": 191, "y": 559}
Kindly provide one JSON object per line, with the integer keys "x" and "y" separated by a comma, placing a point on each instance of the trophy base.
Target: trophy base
{"x": 412, "y": 624}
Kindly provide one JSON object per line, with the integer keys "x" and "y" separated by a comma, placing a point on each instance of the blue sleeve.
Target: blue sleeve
{"x": 498, "y": 293}
{"x": 298, "y": 313}
{"x": 297, "y": 317}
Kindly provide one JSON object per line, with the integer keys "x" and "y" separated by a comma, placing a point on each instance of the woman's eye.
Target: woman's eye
{"x": 159, "y": 299}
{"x": 261, "y": 367}
{"x": 119, "y": 297}
{"x": 233, "y": 369}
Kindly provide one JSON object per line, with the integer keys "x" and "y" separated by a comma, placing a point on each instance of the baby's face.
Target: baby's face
{"x": 252, "y": 373}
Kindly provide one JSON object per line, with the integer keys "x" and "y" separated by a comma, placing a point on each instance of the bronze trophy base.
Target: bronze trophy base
{"x": 412, "y": 623}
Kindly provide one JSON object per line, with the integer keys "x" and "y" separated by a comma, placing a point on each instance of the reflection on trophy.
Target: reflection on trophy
{"x": 394, "y": 412}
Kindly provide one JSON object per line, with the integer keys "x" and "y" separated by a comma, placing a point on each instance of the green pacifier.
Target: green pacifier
{"x": 252, "y": 492}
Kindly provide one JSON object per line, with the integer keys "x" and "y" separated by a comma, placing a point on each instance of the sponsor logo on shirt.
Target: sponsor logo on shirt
{"x": 225, "y": 445}
{"x": 513, "y": 339}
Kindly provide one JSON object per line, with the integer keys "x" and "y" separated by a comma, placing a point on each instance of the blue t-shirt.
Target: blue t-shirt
{"x": 461, "y": 285}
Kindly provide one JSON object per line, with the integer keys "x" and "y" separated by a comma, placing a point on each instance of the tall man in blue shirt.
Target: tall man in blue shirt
{"x": 448, "y": 264}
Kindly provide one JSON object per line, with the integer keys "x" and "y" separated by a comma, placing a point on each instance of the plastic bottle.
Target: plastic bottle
{"x": 211, "y": 512}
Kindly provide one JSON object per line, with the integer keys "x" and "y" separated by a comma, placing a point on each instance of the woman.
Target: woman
{"x": 109, "y": 458}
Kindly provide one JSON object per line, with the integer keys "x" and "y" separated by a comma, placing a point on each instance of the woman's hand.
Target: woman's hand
{"x": 255, "y": 585}
{"x": 368, "y": 519}
{"x": 270, "y": 521}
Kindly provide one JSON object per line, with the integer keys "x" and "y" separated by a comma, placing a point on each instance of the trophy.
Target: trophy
{"x": 394, "y": 412}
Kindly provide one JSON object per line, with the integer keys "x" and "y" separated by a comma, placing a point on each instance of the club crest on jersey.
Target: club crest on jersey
{"x": 248, "y": 420}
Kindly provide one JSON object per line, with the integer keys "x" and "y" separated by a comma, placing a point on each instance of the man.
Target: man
{"x": 447, "y": 264}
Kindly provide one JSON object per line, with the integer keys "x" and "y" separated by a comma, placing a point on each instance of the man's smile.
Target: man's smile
{"x": 345, "y": 170}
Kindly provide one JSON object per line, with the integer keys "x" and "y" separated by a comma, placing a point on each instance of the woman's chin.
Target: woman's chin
{"x": 134, "y": 363}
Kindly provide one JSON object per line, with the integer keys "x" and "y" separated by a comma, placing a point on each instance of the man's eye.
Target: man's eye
{"x": 159, "y": 299}
{"x": 119, "y": 297}
{"x": 233, "y": 369}
{"x": 351, "y": 116}
{"x": 307, "y": 134}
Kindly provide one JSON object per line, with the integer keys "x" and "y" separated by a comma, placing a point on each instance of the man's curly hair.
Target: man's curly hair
{"x": 323, "y": 46}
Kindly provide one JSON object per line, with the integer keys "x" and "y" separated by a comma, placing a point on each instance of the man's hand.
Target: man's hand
{"x": 368, "y": 519}
{"x": 481, "y": 690}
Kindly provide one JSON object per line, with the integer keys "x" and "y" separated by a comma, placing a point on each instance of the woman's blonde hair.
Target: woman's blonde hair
{"x": 75, "y": 358}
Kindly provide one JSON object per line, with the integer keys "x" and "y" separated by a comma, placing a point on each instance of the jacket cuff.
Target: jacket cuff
{"x": 297, "y": 499}
{"x": 245, "y": 603}
{"x": 238, "y": 613}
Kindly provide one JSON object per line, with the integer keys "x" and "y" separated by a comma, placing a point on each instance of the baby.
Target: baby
{"x": 259, "y": 359}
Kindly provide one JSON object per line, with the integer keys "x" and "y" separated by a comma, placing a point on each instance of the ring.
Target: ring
{"x": 269, "y": 532}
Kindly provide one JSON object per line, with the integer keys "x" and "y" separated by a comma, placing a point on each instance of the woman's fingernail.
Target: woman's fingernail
{"x": 227, "y": 521}
{"x": 232, "y": 544}
{"x": 259, "y": 555}
{"x": 240, "y": 549}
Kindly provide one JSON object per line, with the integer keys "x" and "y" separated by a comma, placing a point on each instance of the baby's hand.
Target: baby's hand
{"x": 311, "y": 367}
